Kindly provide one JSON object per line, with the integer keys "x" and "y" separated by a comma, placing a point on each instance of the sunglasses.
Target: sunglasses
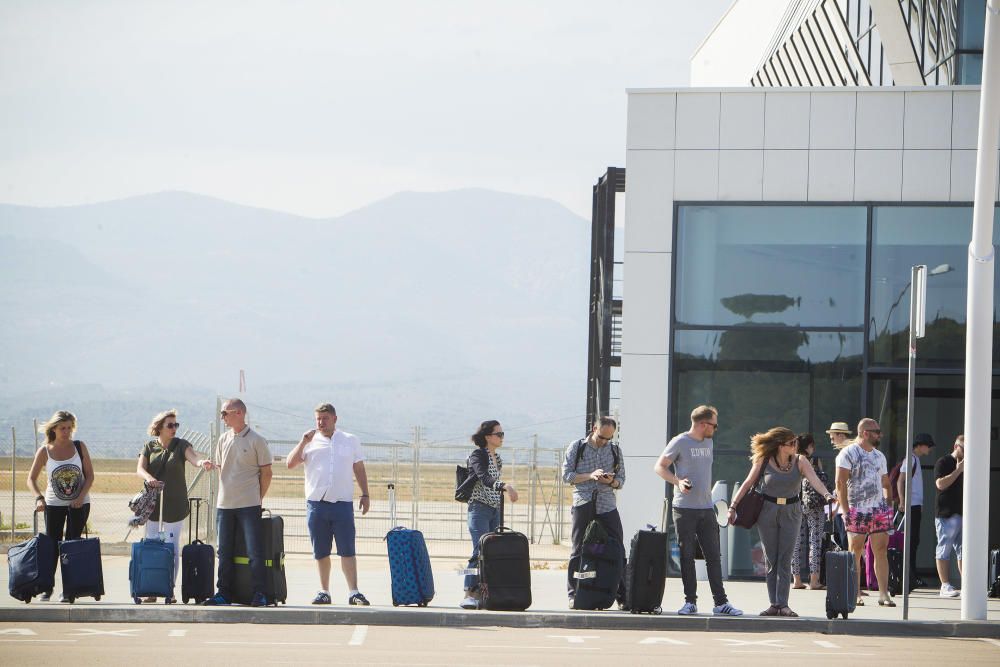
{"x": 173, "y": 425}
{"x": 498, "y": 434}
{"x": 227, "y": 412}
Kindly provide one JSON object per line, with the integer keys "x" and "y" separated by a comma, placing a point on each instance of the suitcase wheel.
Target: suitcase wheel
{"x": 137, "y": 600}
{"x": 97, "y": 598}
{"x": 168, "y": 601}
{"x": 844, "y": 615}
{"x": 422, "y": 604}
{"x": 395, "y": 604}
{"x": 70, "y": 600}
{"x": 185, "y": 600}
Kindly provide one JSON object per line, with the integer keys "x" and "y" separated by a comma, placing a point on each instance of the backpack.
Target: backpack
{"x": 811, "y": 498}
{"x": 894, "y": 478}
{"x": 615, "y": 454}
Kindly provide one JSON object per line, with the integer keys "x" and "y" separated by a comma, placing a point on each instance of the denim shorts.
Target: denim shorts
{"x": 949, "y": 536}
{"x": 868, "y": 520}
{"x": 328, "y": 522}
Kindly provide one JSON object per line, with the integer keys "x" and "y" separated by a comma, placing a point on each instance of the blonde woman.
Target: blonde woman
{"x": 775, "y": 453}
{"x": 161, "y": 466}
{"x": 66, "y": 499}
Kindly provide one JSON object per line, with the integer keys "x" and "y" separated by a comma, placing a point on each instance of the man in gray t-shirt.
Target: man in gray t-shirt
{"x": 690, "y": 455}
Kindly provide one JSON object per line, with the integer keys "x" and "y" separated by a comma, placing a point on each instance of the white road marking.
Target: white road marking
{"x": 573, "y": 639}
{"x": 276, "y": 643}
{"x": 664, "y": 640}
{"x": 826, "y": 644}
{"x": 90, "y": 632}
{"x": 995, "y": 642}
{"x": 558, "y": 648}
{"x": 773, "y": 643}
{"x": 35, "y": 641}
{"x": 800, "y": 653}
{"x": 18, "y": 631}
{"x": 358, "y": 637}
{"x": 177, "y": 633}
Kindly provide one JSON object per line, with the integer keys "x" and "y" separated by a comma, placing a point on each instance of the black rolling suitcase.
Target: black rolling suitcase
{"x": 31, "y": 566}
{"x": 646, "y": 572}
{"x": 275, "y": 585}
{"x": 80, "y": 564}
{"x": 197, "y": 562}
{"x": 504, "y": 569}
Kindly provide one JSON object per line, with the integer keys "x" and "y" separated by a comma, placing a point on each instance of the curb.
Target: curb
{"x": 609, "y": 620}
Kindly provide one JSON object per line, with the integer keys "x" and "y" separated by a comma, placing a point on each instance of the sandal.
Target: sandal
{"x": 785, "y": 611}
{"x": 817, "y": 587}
{"x": 771, "y": 611}
{"x": 799, "y": 587}
{"x": 860, "y": 602}
{"x": 886, "y": 603}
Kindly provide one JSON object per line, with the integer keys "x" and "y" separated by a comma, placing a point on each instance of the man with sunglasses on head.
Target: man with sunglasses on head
{"x": 864, "y": 495}
{"x": 244, "y": 462}
{"x": 594, "y": 463}
{"x": 691, "y": 455}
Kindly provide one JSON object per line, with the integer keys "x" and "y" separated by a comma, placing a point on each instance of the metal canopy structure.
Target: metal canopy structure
{"x": 604, "y": 344}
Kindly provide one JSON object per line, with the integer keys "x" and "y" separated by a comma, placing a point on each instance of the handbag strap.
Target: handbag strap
{"x": 163, "y": 462}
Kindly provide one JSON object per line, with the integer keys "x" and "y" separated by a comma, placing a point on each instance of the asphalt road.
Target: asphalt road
{"x": 243, "y": 644}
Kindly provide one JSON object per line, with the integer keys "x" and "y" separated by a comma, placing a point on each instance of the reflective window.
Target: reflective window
{"x": 972, "y": 25}
{"x": 749, "y": 265}
{"x": 902, "y": 237}
{"x": 970, "y": 69}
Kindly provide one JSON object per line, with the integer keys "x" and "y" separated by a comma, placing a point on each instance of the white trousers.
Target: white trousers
{"x": 171, "y": 533}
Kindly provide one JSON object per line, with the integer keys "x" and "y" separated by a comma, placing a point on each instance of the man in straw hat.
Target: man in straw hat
{"x": 840, "y": 435}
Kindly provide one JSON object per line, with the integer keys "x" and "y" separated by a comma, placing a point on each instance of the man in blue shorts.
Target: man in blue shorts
{"x": 333, "y": 460}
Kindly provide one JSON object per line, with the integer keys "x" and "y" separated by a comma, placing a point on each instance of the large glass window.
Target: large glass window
{"x": 753, "y": 265}
{"x": 903, "y": 236}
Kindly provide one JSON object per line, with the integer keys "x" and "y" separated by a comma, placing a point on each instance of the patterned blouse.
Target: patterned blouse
{"x": 489, "y": 495}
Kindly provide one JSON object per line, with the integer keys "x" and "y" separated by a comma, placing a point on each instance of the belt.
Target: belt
{"x": 780, "y": 501}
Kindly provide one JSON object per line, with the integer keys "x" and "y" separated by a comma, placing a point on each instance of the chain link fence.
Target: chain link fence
{"x": 423, "y": 475}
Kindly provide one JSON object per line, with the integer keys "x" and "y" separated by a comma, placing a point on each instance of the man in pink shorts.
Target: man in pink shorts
{"x": 863, "y": 492}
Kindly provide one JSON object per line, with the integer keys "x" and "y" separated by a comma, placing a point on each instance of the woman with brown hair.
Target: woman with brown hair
{"x": 781, "y": 469}
{"x": 66, "y": 500}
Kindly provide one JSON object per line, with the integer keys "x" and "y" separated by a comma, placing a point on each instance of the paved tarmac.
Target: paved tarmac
{"x": 930, "y": 615}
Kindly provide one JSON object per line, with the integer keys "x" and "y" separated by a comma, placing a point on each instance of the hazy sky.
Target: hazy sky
{"x": 318, "y": 108}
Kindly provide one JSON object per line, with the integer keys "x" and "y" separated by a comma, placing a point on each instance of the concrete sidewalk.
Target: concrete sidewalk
{"x": 930, "y": 615}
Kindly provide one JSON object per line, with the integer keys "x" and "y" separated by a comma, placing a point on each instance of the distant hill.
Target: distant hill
{"x": 438, "y": 309}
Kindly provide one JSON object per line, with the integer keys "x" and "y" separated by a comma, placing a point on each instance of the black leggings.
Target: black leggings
{"x": 58, "y": 517}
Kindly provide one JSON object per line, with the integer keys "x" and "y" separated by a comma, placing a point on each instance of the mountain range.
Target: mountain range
{"x": 431, "y": 309}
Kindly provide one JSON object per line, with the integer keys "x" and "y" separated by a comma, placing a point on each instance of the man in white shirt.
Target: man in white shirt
{"x": 922, "y": 444}
{"x": 333, "y": 460}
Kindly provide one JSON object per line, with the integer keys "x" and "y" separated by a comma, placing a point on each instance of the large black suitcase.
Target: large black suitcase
{"x": 841, "y": 584}
{"x": 504, "y": 569}
{"x": 82, "y": 573}
{"x": 197, "y": 562}
{"x": 275, "y": 585}
{"x": 31, "y": 566}
{"x": 646, "y": 572}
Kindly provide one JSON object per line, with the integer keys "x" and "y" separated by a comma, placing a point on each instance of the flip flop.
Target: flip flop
{"x": 799, "y": 587}
{"x": 860, "y": 603}
{"x": 817, "y": 587}
{"x": 886, "y": 603}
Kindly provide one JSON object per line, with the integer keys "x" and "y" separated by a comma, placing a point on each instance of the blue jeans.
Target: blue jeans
{"x": 482, "y": 519}
{"x": 252, "y": 529}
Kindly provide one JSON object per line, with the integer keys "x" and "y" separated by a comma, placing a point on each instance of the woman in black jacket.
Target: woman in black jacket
{"x": 484, "y": 506}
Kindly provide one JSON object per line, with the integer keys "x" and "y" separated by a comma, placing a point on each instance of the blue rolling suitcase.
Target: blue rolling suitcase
{"x": 31, "y": 566}
{"x": 151, "y": 570}
{"x": 82, "y": 573}
{"x": 409, "y": 562}
{"x": 841, "y": 584}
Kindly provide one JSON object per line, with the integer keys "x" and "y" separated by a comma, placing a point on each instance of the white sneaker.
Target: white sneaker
{"x": 949, "y": 591}
{"x": 469, "y": 603}
{"x": 688, "y": 608}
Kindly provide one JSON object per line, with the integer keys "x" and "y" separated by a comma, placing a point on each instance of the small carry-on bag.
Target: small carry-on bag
{"x": 197, "y": 562}
{"x": 841, "y": 583}
{"x": 275, "y": 584}
{"x": 151, "y": 570}
{"x": 82, "y": 573}
{"x": 646, "y": 572}
{"x": 504, "y": 569}
{"x": 409, "y": 562}
{"x": 31, "y": 566}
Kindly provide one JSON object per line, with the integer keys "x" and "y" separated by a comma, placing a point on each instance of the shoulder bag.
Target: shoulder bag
{"x": 748, "y": 509}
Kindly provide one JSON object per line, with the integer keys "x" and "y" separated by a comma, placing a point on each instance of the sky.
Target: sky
{"x": 320, "y": 108}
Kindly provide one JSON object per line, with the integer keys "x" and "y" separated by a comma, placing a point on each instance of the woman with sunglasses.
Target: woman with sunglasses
{"x": 486, "y": 466}
{"x": 161, "y": 466}
{"x": 775, "y": 453}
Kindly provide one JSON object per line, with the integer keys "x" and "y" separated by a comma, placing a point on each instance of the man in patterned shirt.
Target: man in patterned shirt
{"x": 592, "y": 464}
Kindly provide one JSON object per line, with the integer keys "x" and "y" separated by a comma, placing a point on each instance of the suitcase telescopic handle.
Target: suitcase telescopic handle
{"x": 392, "y": 505}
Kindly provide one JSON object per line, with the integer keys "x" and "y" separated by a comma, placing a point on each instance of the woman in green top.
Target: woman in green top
{"x": 161, "y": 465}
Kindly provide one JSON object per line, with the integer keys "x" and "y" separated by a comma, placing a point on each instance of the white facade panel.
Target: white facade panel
{"x": 786, "y": 120}
{"x": 696, "y": 175}
{"x": 965, "y": 119}
{"x": 963, "y": 176}
{"x": 741, "y": 175}
{"x": 651, "y": 121}
{"x": 742, "y": 120}
{"x": 646, "y": 308}
{"x": 786, "y": 175}
{"x": 649, "y": 205}
{"x": 643, "y": 437}
{"x": 832, "y": 120}
{"x": 878, "y": 175}
{"x": 927, "y": 119}
{"x": 926, "y": 175}
{"x": 831, "y": 175}
{"x": 879, "y": 120}
{"x": 698, "y": 121}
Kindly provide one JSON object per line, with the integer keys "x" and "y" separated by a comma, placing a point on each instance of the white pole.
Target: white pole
{"x": 979, "y": 334}
{"x": 918, "y": 297}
